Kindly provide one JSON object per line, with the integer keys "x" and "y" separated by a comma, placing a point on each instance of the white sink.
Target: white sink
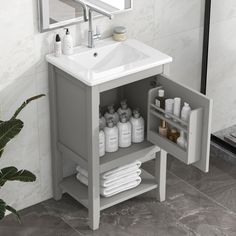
{"x": 109, "y": 60}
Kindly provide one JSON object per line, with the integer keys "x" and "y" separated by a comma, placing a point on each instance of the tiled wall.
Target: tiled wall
{"x": 175, "y": 27}
{"x": 222, "y": 64}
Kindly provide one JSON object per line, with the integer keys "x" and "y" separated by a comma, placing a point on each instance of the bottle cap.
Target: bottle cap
{"x": 67, "y": 31}
{"x": 119, "y": 30}
{"x": 111, "y": 109}
{"x": 161, "y": 93}
{"x": 58, "y": 39}
{"x": 123, "y": 104}
{"x": 186, "y": 104}
{"x": 123, "y": 118}
{"x": 136, "y": 113}
{"x": 110, "y": 123}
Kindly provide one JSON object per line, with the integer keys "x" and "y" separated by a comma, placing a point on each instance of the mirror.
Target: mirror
{"x": 59, "y": 13}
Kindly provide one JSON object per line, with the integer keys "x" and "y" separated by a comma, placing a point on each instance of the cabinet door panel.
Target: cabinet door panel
{"x": 197, "y": 130}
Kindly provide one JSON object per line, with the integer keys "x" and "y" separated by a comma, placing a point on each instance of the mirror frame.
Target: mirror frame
{"x": 43, "y": 12}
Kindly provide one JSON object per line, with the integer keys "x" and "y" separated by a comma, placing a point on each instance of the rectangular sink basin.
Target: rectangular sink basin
{"x": 109, "y": 60}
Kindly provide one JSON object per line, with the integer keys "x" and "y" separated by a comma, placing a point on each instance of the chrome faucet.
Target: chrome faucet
{"x": 91, "y": 35}
{"x": 88, "y": 16}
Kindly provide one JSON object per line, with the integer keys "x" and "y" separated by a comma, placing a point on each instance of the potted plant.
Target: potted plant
{"x": 8, "y": 130}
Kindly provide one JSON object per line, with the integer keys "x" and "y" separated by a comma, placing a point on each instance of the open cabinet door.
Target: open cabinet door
{"x": 197, "y": 130}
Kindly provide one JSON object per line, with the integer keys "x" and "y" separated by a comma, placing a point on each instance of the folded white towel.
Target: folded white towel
{"x": 122, "y": 179}
{"x": 114, "y": 173}
{"x": 108, "y": 192}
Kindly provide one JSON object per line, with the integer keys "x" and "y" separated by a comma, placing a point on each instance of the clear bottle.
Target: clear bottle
{"x": 124, "y": 128}
{"x": 137, "y": 123}
{"x": 101, "y": 143}
{"x": 181, "y": 141}
{"x": 111, "y": 137}
{"x": 111, "y": 114}
{"x": 124, "y": 109}
{"x": 160, "y": 99}
{"x": 102, "y": 121}
{"x": 185, "y": 112}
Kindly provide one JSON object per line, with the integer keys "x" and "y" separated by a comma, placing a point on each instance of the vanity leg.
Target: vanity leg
{"x": 93, "y": 100}
{"x": 160, "y": 169}
{"x": 57, "y": 171}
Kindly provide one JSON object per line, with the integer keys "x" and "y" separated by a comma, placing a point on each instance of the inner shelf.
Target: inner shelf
{"x": 79, "y": 191}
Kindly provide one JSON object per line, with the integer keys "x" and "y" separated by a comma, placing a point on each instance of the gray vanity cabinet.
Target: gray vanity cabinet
{"x": 75, "y": 131}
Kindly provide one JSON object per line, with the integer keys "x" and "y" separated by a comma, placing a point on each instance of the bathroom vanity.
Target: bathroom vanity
{"x": 105, "y": 75}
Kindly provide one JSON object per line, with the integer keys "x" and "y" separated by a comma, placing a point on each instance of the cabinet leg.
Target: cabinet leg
{"x": 57, "y": 174}
{"x": 160, "y": 169}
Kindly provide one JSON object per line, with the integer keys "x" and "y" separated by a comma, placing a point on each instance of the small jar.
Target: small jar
{"x": 119, "y": 33}
{"x": 173, "y": 135}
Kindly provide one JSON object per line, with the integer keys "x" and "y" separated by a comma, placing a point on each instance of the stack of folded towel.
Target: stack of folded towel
{"x": 116, "y": 180}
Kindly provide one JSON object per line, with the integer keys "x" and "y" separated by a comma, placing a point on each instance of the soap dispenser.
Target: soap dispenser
{"x": 124, "y": 128}
{"x": 137, "y": 123}
{"x": 111, "y": 136}
{"x": 111, "y": 114}
{"x": 67, "y": 43}
{"x": 124, "y": 109}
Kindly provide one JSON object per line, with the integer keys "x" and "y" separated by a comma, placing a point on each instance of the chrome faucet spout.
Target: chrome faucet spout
{"x": 85, "y": 10}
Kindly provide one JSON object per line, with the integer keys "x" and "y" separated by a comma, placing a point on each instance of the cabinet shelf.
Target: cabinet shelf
{"x": 79, "y": 191}
{"x": 143, "y": 152}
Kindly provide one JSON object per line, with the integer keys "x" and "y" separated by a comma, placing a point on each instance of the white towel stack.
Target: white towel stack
{"x": 115, "y": 181}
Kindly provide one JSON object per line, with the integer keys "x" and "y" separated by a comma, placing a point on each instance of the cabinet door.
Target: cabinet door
{"x": 197, "y": 130}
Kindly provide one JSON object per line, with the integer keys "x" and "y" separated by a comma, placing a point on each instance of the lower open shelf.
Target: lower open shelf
{"x": 79, "y": 191}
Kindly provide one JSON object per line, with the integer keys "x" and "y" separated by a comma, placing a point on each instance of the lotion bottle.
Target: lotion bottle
{"x": 101, "y": 143}
{"x": 57, "y": 46}
{"x": 185, "y": 112}
{"x": 112, "y": 114}
{"x": 102, "y": 121}
{"x": 67, "y": 43}
{"x": 111, "y": 137}
{"x": 137, "y": 123}
{"x": 124, "y": 109}
{"x": 124, "y": 128}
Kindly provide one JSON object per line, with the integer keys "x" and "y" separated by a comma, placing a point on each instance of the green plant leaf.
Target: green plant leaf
{"x": 24, "y": 104}
{"x": 8, "y": 130}
{"x": 4, "y": 207}
{"x": 13, "y": 174}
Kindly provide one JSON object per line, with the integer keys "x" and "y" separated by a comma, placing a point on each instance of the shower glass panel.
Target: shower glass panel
{"x": 221, "y": 79}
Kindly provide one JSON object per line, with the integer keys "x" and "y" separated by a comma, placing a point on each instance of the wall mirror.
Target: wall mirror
{"x": 58, "y": 13}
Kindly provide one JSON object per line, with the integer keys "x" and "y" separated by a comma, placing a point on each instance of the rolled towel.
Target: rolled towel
{"x": 116, "y": 172}
{"x": 108, "y": 192}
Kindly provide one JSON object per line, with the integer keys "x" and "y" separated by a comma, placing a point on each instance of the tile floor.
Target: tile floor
{"x": 196, "y": 204}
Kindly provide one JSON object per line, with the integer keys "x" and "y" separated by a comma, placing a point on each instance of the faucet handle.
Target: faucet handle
{"x": 98, "y": 33}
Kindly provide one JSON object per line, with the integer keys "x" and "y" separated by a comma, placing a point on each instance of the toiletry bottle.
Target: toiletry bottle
{"x": 124, "y": 109}
{"x": 173, "y": 135}
{"x": 102, "y": 121}
{"x": 163, "y": 129}
{"x": 111, "y": 114}
{"x": 176, "y": 108}
{"x": 57, "y": 46}
{"x": 160, "y": 99}
{"x": 181, "y": 141}
{"x": 137, "y": 123}
{"x": 124, "y": 128}
{"x": 169, "y": 104}
{"x": 67, "y": 43}
{"x": 111, "y": 136}
{"x": 101, "y": 143}
{"x": 185, "y": 112}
